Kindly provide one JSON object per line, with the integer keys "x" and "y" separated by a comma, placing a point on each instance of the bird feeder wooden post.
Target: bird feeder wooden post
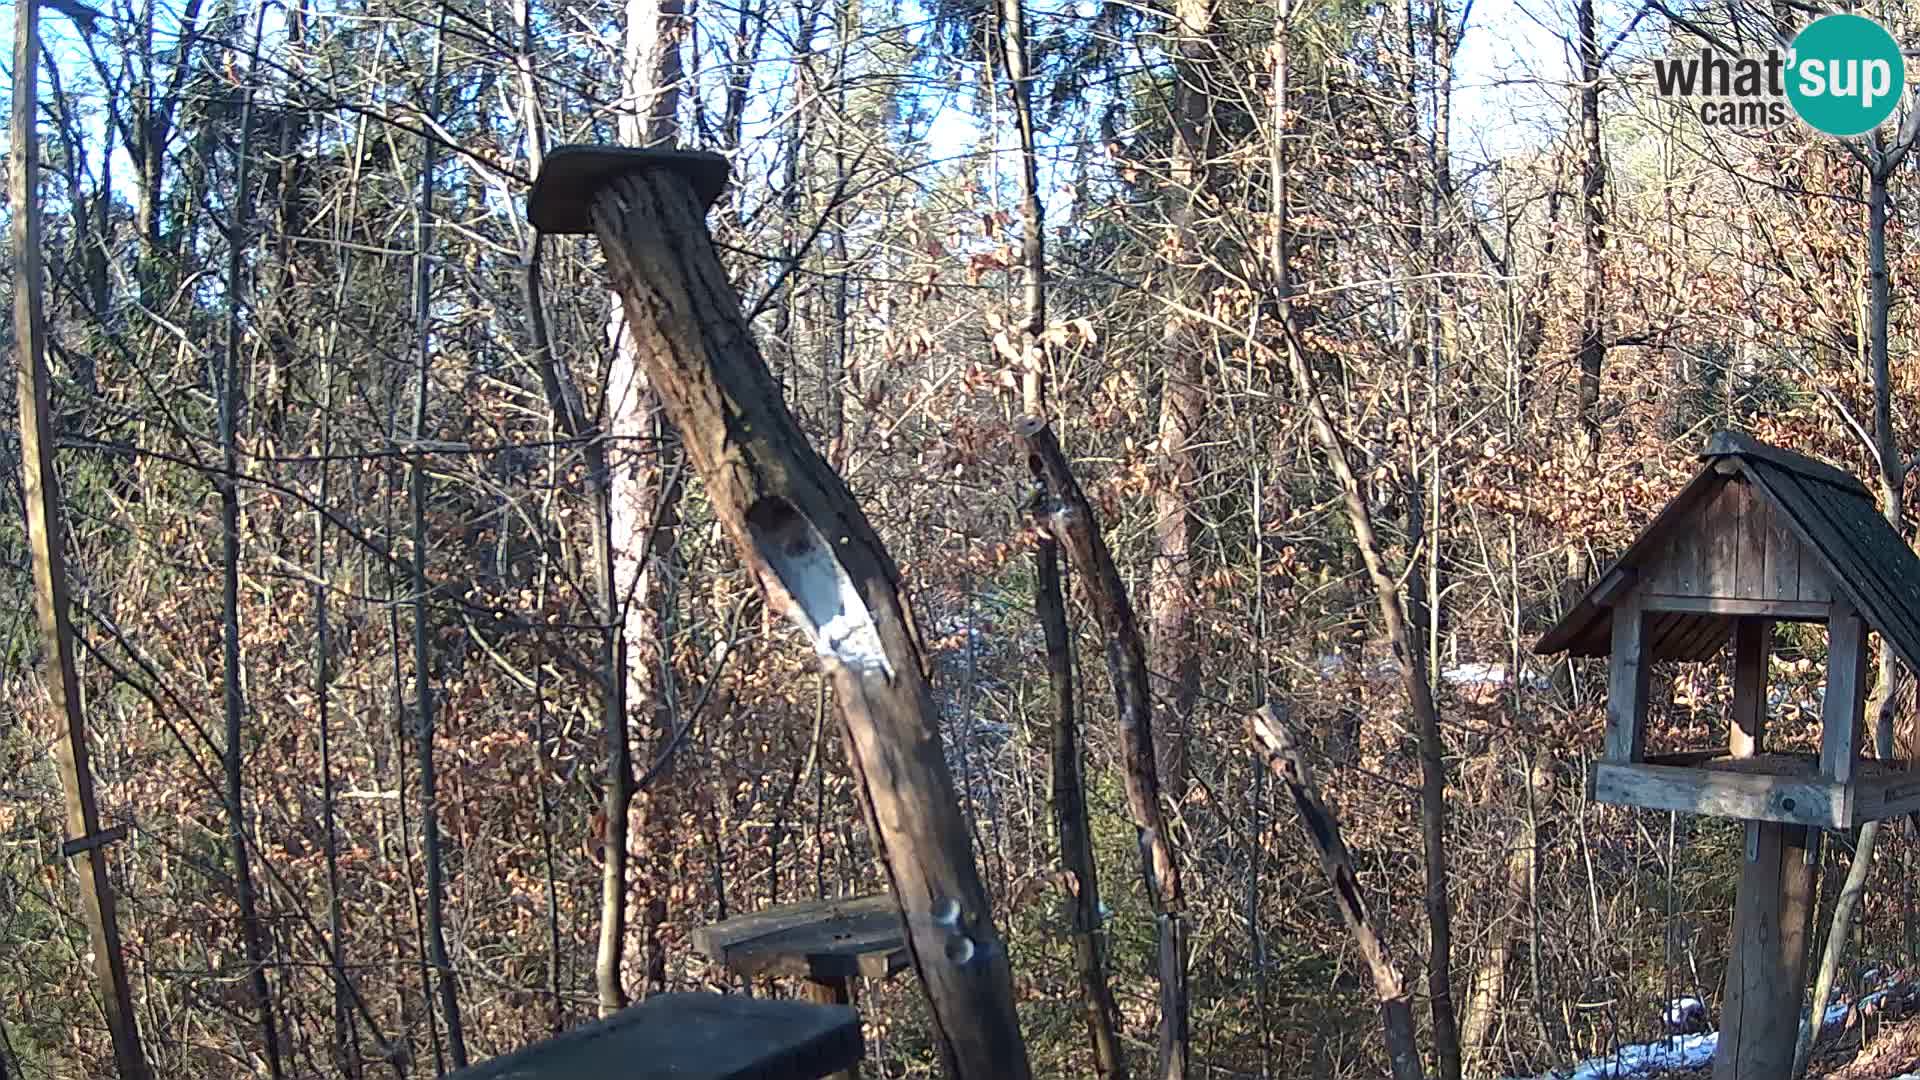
{"x": 1760, "y": 536}
{"x": 815, "y": 556}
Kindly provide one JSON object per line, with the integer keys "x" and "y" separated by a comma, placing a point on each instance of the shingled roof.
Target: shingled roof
{"x": 1828, "y": 511}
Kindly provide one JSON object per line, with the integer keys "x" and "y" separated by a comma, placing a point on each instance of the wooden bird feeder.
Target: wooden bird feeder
{"x": 1759, "y": 536}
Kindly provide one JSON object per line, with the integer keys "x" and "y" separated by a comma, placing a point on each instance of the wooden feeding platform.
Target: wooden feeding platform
{"x": 1759, "y": 536}
{"x": 825, "y": 942}
{"x": 1782, "y": 787}
{"x": 692, "y": 1037}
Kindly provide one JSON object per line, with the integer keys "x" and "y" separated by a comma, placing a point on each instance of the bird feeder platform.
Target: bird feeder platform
{"x": 827, "y": 941}
{"x": 1783, "y": 787}
{"x": 692, "y": 1037}
{"x": 1760, "y": 536}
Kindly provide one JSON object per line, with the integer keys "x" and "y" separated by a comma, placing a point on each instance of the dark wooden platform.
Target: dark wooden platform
{"x": 692, "y": 1037}
{"x": 1782, "y": 787}
{"x": 826, "y": 940}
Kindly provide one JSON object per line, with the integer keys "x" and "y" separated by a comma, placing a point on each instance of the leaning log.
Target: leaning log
{"x": 816, "y": 558}
{"x": 1277, "y": 744}
{"x": 1061, "y": 509}
{"x": 1070, "y": 822}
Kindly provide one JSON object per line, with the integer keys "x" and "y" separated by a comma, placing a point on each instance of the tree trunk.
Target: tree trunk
{"x": 1593, "y": 236}
{"x": 1893, "y": 478}
{"x": 418, "y": 495}
{"x": 1063, "y": 511}
{"x": 233, "y": 705}
{"x": 799, "y": 531}
{"x": 1386, "y": 586}
{"x": 1070, "y": 817}
{"x": 1174, "y": 653}
{"x": 46, "y": 539}
{"x": 1033, "y": 250}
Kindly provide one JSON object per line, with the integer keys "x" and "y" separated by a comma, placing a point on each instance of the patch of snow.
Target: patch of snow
{"x": 1330, "y": 665}
{"x": 1686, "y": 1015}
{"x": 1476, "y": 672}
{"x": 1679, "y": 1051}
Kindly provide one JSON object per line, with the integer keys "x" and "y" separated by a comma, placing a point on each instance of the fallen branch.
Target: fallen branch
{"x": 1276, "y": 741}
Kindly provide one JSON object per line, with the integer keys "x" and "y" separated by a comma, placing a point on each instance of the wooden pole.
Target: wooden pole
{"x": 831, "y": 992}
{"x": 46, "y": 534}
{"x": 1767, "y": 971}
{"x": 817, "y": 559}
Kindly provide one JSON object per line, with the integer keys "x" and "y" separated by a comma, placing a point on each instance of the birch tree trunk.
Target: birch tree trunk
{"x": 639, "y": 548}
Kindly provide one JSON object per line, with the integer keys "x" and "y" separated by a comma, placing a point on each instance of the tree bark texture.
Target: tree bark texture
{"x": 1063, "y": 511}
{"x": 418, "y": 494}
{"x": 643, "y": 497}
{"x": 818, "y": 560}
{"x": 1281, "y": 749}
{"x": 1593, "y": 234}
{"x": 233, "y": 706}
{"x": 1173, "y": 651}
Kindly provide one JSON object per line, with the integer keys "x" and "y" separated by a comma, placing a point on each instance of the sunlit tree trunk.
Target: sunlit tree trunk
{"x": 644, "y": 495}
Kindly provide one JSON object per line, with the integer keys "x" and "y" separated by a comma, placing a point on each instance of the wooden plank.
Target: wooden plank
{"x": 693, "y": 1037}
{"x": 1615, "y": 585}
{"x": 1627, "y": 675}
{"x": 1748, "y": 796}
{"x": 831, "y": 992}
{"x": 1719, "y": 531}
{"x": 1700, "y": 638}
{"x": 827, "y": 939}
{"x": 1766, "y": 969}
{"x": 1815, "y": 584}
{"x": 1879, "y": 797}
{"x": 1782, "y": 563}
{"x": 1688, "y": 557}
{"x": 1842, "y": 706}
{"x": 1756, "y": 521}
{"x": 1663, "y": 633}
{"x": 1752, "y": 640}
{"x": 1661, "y": 573}
{"x": 1790, "y": 610}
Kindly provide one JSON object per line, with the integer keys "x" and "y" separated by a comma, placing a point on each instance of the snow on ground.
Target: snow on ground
{"x": 1677, "y": 1052}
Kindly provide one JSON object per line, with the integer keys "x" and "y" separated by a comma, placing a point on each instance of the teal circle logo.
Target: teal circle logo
{"x": 1845, "y": 74}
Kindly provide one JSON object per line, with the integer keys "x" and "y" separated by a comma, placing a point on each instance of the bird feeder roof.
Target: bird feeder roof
{"x": 1827, "y": 512}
